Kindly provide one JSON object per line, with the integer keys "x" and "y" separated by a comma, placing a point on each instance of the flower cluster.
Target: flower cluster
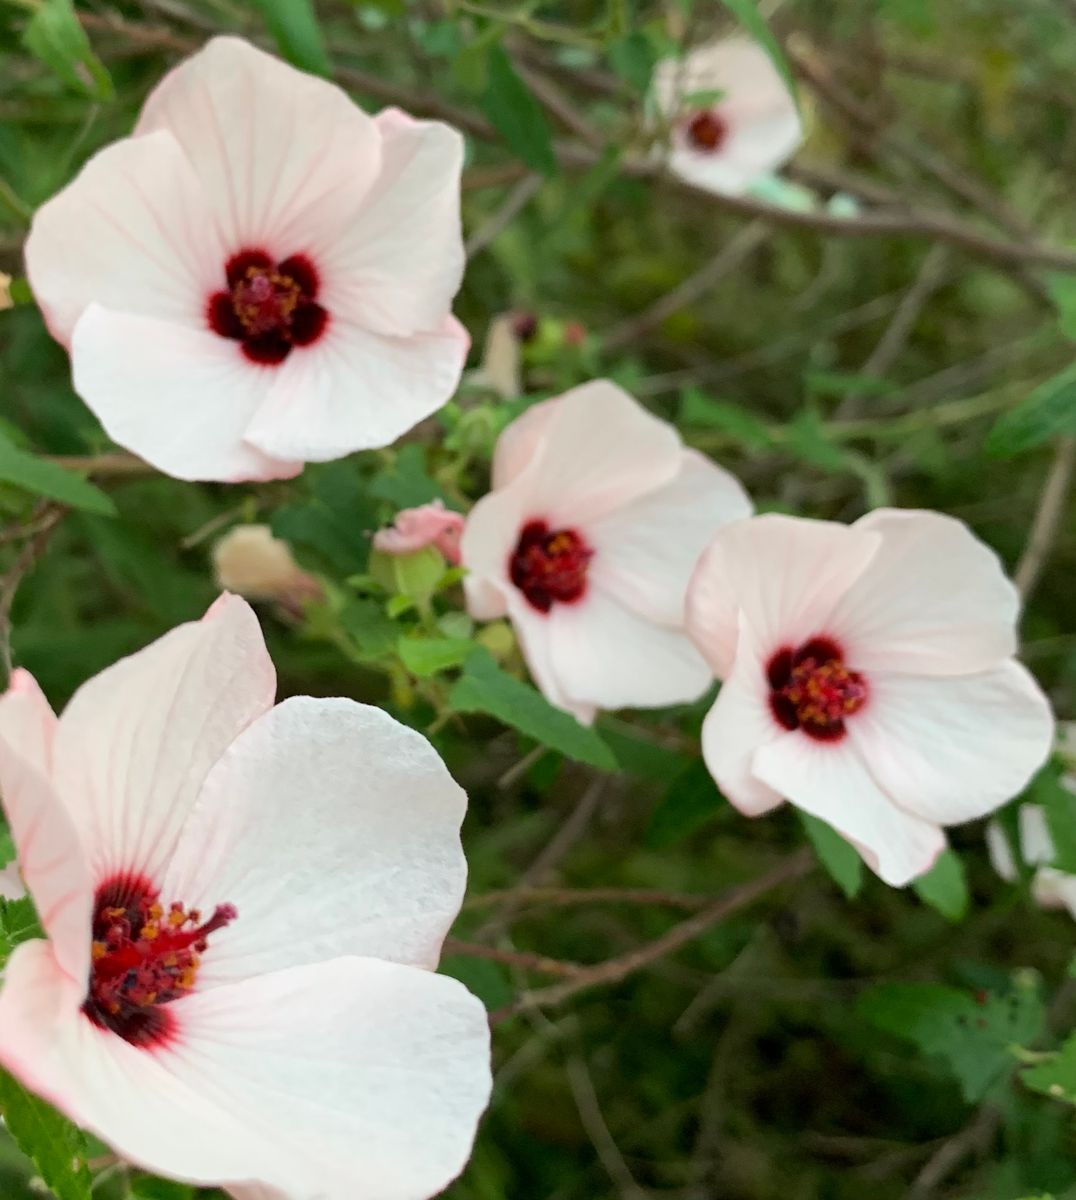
{"x": 244, "y": 903}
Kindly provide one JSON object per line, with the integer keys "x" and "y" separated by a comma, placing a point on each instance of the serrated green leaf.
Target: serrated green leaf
{"x": 945, "y": 887}
{"x": 428, "y": 656}
{"x": 293, "y": 25}
{"x": 840, "y": 859}
{"x": 747, "y": 13}
{"x": 1048, "y": 412}
{"x": 691, "y": 802}
{"x": 809, "y": 440}
{"x": 368, "y": 624}
{"x": 484, "y": 687}
{"x": 44, "y": 478}
{"x": 972, "y": 1035}
{"x": 515, "y": 114}
{"x": 55, "y": 36}
{"x": 406, "y": 483}
{"x": 1057, "y": 1077}
{"x": 56, "y": 1148}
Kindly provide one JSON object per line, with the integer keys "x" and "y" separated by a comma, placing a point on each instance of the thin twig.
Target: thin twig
{"x": 1047, "y": 522}
{"x": 47, "y": 519}
{"x": 972, "y": 1139}
{"x": 691, "y": 289}
{"x": 518, "y": 199}
{"x": 590, "y": 1113}
{"x": 555, "y": 897}
{"x": 514, "y": 958}
{"x": 616, "y": 969}
{"x": 117, "y": 463}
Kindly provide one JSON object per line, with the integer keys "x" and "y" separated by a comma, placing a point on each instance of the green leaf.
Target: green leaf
{"x": 1057, "y": 1077}
{"x": 1062, "y": 290}
{"x": 56, "y": 1148}
{"x": 633, "y": 58}
{"x": 406, "y": 483}
{"x": 487, "y": 980}
{"x": 151, "y": 1188}
{"x": 18, "y": 923}
{"x": 974, "y": 1036}
{"x": 945, "y": 887}
{"x": 334, "y": 524}
{"x": 293, "y": 25}
{"x": 515, "y": 113}
{"x": 847, "y": 383}
{"x": 809, "y": 439}
{"x": 367, "y": 624}
{"x": 746, "y": 12}
{"x": 1050, "y": 410}
{"x": 55, "y": 36}
{"x": 698, "y": 409}
{"x": 840, "y": 859}
{"x": 691, "y": 802}
{"x": 484, "y": 687}
{"x": 44, "y": 478}
{"x": 428, "y": 656}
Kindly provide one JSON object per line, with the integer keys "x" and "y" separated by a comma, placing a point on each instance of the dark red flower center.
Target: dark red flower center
{"x": 812, "y": 689}
{"x": 144, "y": 956}
{"x": 268, "y": 306}
{"x": 549, "y": 566}
{"x": 707, "y": 131}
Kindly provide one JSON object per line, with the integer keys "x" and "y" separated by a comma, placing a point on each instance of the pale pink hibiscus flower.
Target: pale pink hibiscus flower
{"x": 261, "y": 276}
{"x": 428, "y": 525}
{"x": 243, "y": 904}
{"x": 723, "y": 143}
{"x": 597, "y": 516}
{"x": 868, "y": 678}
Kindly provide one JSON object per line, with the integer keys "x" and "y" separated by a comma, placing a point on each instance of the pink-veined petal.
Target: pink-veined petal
{"x": 605, "y": 655}
{"x": 178, "y": 397}
{"x": 354, "y": 390}
{"x": 739, "y": 722}
{"x": 133, "y": 232}
{"x": 953, "y": 748}
{"x": 333, "y": 829}
{"x": 50, "y": 856}
{"x": 136, "y": 742}
{"x": 787, "y": 575}
{"x": 396, "y": 268}
{"x": 646, "y": 552}
{"x": 352, "y": 1077}
{"x": 286, "y": 159}
{"x": 934, "y": 600}
{"x": 830, "y": 781}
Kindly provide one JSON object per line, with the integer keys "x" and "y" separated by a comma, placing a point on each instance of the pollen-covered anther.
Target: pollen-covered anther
{"x": 142, "y": 960}
{"x": 813, "y": 690}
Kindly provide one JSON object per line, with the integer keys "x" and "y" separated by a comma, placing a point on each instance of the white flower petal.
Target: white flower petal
{"x": 333, "y": 830}
{"x": 646, "y": 552}
{"x": 180, "y": 398}
{"x": 829, "y": 780}
{"x": 601, "y": 450}
{"x": 605, "y": 655}
{"x": 136, "y": 742}
{"x": 286, "y": 159}
{"x": 352, "y": 1077}
{"x": 787, "y": 575}
{"x": 934, "y": 600}
{"x": 950, "y": 749}
{"x": 354, "y": 390}
{"x": 520, "y": 441}
{"x": 398, "y": 265}
{"x": 49, "y": 853}
{"x": 739, "y": 722}
{"x": 1000, "y": 852}
{"x": 133, "y": 232}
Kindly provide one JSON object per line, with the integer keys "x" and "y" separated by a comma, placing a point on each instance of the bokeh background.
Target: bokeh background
{"x": 889, "y": 323}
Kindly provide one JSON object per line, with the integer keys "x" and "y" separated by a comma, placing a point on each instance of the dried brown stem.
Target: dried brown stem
{"x": 514, "y": 958}
{"x": 1048, "y": 518}
{"x": 556, "y": 897}
{"x": 616, "y": 969}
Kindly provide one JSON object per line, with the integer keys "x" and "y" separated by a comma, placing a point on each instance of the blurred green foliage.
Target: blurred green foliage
{"x": 830, "y": 1039}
